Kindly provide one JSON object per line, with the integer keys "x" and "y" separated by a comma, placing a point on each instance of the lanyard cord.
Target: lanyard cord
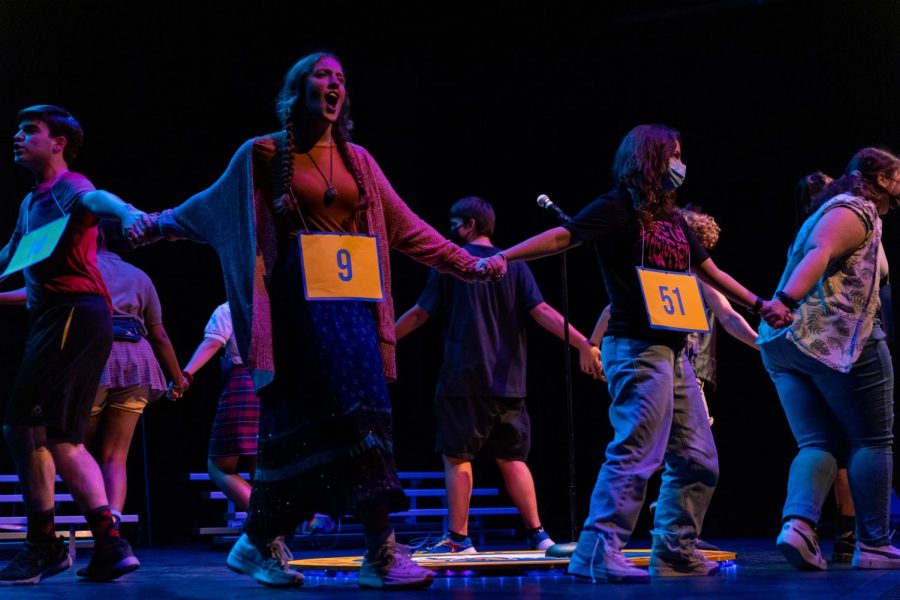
{"x": 52, "y": 195}
{"x": 299, "y": 210}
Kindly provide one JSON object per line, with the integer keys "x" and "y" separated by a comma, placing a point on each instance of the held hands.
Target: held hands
{"x": 492, "y": 268}
{"x": 176, "y": 391}
{"x": 140, "y": 228}
{"x": 776, "y": 314}
{"x": 591, "y": 363}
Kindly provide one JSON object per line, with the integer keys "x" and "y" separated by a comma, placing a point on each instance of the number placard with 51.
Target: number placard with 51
{"x": 673, "y": 300}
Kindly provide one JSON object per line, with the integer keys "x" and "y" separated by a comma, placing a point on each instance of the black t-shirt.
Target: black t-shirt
{"x": 484, "y": 329}
{"x": 612, "y": 222}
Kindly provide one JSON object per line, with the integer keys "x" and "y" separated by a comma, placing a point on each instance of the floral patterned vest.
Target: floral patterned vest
{"x": 836, "y": 318}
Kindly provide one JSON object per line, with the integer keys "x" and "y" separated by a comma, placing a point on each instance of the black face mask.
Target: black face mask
{"x": 453, "y": 233}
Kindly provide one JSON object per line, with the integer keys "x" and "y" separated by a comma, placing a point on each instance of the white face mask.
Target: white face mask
{"x": 676, "y": 173}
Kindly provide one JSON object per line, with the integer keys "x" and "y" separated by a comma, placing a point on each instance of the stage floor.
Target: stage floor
{"x": 197, "y": 572}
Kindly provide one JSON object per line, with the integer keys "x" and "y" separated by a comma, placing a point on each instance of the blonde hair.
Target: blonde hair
{"x": 703, "y": 225}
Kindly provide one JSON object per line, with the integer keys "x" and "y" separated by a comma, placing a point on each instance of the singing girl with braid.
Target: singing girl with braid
{"x": 320, "y": 366}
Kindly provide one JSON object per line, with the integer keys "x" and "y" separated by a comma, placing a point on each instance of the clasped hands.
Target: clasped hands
{"x": 776, "y": 314}
{"x": 492, "y": 268}
{"x": 140, "y": 228}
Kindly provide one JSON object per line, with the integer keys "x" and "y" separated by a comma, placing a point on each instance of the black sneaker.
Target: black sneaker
{"x": 111, "y": 560}
{"x": 35, "y": 562}
{"x": 844, "y": 547}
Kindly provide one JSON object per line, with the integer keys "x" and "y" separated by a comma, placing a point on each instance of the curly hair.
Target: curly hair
{"x": 291, "y": 110}
{"x": 703, "y": 225}
{"x": 861, "y": 176}
{"x": 640, "y": 167}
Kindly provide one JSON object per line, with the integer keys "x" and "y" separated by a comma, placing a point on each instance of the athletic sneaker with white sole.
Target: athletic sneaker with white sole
{"x": 391, "y": 567}
{"x": 677, "y": 564}
{"x": 800, "y": 546}
{"x": 595, "y": 560}
{"x": 875, "y": 557}
{"x": 268, "y": 566}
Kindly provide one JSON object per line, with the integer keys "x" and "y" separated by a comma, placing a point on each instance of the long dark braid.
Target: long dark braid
{"x": 341, "y": 137}
{"x": 285, "y": 204}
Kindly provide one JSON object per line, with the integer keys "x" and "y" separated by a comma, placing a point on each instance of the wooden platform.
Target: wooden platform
{"x": 486, "y": 561}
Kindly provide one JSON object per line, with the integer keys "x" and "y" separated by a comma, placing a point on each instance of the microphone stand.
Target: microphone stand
{"x": 570, "y": 409}
{"x": 570, "y": 412}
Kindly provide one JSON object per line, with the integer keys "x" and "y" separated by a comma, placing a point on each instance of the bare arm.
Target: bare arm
{"x": 13, "y": 298}
{"x": 548, "y": 318}
{"x": 411, "y": 320}
{"x": 733, "y": 322}
{"x": 725, "y": 283}
{"x": 165, "y": 354}
{"x": 837, "y": 233}
{"x": 600, "y": 327}
{"x": 552, "y": 241}
{"x": 106, "y": 204}
{"x": 205, "y": 351}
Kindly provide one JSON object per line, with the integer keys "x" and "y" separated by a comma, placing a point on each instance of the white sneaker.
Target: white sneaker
{"x": 875, "y": 557}
{"x": 269, "y": 568}
{"x": 593, "y": 560}
{"x": 800, "y": 546}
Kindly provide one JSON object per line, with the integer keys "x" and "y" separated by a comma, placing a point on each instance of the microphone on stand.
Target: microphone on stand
{"x": 545, "y": 202}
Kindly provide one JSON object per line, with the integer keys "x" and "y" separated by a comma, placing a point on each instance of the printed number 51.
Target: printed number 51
{"x": 668, "y": 304}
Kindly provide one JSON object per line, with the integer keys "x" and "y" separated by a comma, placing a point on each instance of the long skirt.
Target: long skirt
{"x": 325, "y": 441}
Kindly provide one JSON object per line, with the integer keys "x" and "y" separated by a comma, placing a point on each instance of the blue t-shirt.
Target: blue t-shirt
{"x": 484, "y": 329}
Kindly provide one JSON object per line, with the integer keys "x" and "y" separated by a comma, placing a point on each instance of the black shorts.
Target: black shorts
{"x": 468, "y": 425}
{"x": 68, "y": 343}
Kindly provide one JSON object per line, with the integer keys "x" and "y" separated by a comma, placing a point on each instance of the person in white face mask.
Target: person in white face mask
{"x": 657, "y": 411}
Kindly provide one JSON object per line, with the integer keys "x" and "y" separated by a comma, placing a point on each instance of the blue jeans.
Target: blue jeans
{"x": 658, "y": 415}
{"x": 832, "y": 415}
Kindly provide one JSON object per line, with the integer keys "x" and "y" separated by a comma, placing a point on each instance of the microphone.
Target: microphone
{"x": 545, "y": 202}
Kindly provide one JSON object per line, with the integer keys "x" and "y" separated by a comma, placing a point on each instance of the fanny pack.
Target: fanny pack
{"x": 127, "y": 329}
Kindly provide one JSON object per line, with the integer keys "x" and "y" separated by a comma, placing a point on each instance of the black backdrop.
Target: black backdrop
{"x": 456, "y": 100}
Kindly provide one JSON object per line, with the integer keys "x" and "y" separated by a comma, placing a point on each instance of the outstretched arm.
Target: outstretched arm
{"x": 106, "y": 204}
{"x": 733, "y": 322}
{"x": 13, "y": 297}
{"x": 411, "y": 320}
{"x": 552, "y": 241}
{"x": 589, "y": 355}
{"x": 725, "y": 283}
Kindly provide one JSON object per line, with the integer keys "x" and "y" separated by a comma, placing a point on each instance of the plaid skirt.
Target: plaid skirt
{"x": 236, "y": 425}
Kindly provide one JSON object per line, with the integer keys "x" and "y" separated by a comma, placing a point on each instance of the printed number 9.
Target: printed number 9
{"x": 345, "y": 265}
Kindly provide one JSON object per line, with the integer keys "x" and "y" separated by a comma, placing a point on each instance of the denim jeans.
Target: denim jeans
{"x": 658, "y": 415}
{"x": 833, "y": 415}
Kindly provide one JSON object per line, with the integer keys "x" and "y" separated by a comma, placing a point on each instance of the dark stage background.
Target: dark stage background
{"x": 455, "y": 100}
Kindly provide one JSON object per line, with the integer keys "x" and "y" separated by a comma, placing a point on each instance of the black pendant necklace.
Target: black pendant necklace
{"x": 331, "y": 193}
